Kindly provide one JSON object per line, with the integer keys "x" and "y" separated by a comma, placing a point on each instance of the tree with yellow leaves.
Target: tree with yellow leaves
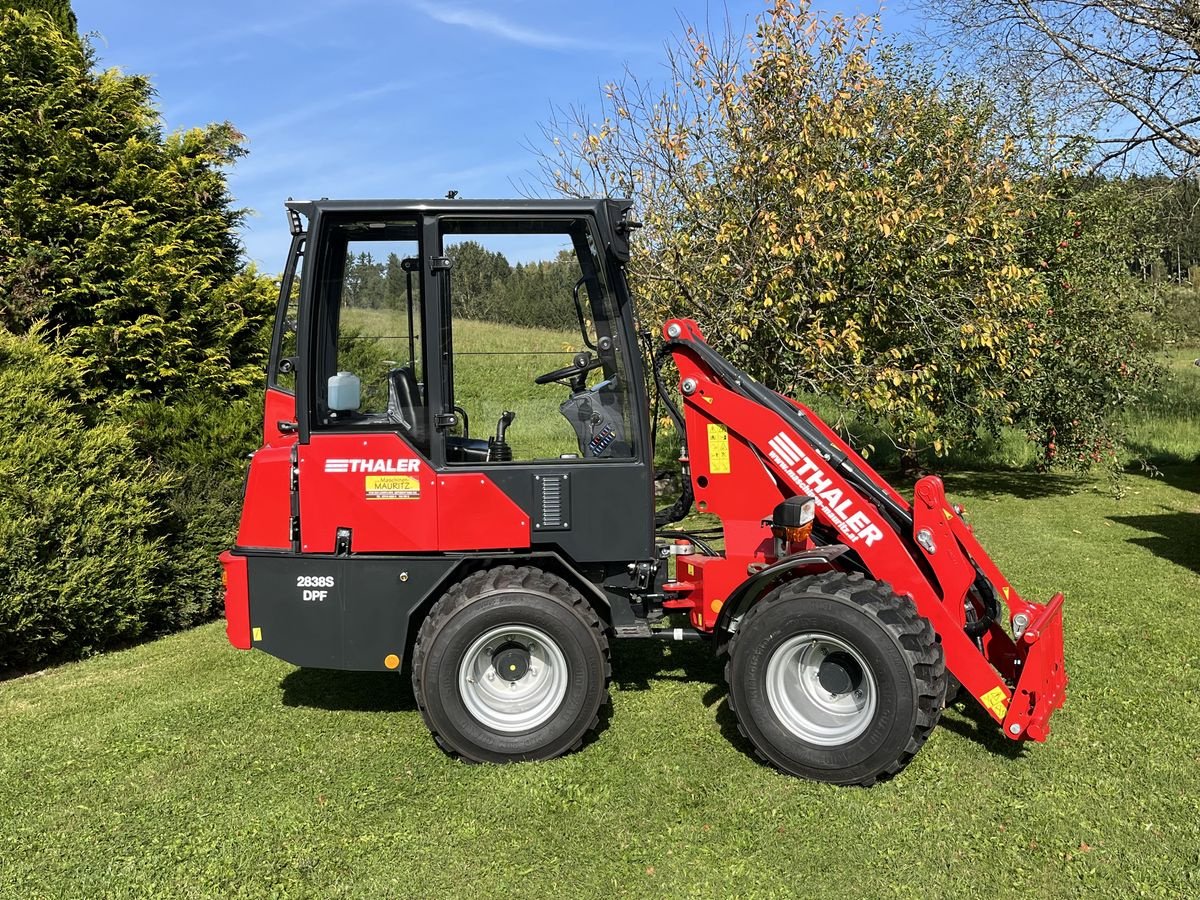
{"x": 840, "y": 223}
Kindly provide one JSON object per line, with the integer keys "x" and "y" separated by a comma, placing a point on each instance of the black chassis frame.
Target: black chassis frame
{"x": 379, "y": 600}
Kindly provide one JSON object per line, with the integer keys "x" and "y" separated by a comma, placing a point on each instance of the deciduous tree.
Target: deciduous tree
{"x": 844, "y": 224}
{"x": 1130, "y": 68}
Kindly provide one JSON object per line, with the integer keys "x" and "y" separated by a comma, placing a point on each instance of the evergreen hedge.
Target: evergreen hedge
{"x": 82, "y": 517}
{"x": 134, "y": 340}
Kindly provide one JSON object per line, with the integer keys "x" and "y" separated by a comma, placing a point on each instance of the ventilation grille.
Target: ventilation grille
{"x": 552, "y": 494}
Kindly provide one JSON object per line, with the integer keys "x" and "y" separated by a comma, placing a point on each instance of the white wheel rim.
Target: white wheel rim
{"x": 506, "y": 704}
{"x": 806, "y": 708}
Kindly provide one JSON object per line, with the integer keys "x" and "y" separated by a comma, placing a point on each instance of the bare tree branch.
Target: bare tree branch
{"x": 1128, "y": 68}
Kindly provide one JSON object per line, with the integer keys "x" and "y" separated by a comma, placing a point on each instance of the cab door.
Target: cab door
{"x": 537, "y": 347}
{"x": 366, "y": 483}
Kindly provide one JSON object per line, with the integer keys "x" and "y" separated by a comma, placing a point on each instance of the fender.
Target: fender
{"x": 761, "y": 581}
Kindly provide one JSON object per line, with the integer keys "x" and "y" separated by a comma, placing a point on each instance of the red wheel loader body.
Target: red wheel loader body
{"x": 372, "y": 518}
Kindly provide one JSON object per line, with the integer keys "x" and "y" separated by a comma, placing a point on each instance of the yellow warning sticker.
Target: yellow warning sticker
{"x": 718, "y": 449}
{"x": 258, "y": 634}
{"x": 393, "y": 487}
{"x": 995, "y": 701}
{"x": 1005, "y": 590}
{"x": 949, "y": 515}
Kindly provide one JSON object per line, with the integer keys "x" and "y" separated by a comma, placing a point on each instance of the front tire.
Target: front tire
{"x": 835, "y": 678}
{"x": 511, "y": 664}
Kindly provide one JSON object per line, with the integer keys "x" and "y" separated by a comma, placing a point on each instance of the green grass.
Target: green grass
{"x": 495, "y": 366}
{"x": 184, "y": 768}
{"x": 1163, "y": 431}
{"x": 1166, "y": 432}
{"x": 494, "y": 371}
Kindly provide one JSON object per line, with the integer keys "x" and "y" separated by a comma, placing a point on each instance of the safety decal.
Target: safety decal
{"x": 393, "y": 487}
{"x": 258, "y": 634}
{"x": 718, "y": 449}
{"x": 995, "y": 702}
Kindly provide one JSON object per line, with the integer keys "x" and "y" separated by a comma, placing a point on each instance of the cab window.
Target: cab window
{"x": 532, "y": 334}
{"x": 368, "y": 328}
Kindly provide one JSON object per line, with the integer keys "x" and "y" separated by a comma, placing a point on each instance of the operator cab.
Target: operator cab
{"x": 446, "y": 338}
{"x": 454, "y": 331}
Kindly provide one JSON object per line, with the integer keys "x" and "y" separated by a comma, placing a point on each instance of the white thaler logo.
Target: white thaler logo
{"x": 854, "y": 524}
{"x": 384, "y": 466}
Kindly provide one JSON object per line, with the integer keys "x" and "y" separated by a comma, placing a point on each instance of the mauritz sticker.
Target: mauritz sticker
{"x": 393, "y": 487}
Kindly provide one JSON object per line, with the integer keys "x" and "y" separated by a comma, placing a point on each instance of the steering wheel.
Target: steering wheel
{"x": 580, "y": 366}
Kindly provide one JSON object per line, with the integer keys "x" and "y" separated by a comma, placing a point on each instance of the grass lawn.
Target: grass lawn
{"x": 494, "y": 370}
{"x": 184, "y": 768}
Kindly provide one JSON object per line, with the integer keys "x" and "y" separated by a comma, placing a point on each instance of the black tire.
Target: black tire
{"x": 455, "y": 669}
{"x": 874, "y": 641}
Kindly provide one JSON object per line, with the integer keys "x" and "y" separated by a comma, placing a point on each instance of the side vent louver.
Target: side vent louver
{"x": 552, "y": 494}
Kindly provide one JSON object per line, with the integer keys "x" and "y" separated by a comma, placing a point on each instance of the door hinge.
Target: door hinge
{"x": 441, "y": 263}
{"x": 445, "y": 420}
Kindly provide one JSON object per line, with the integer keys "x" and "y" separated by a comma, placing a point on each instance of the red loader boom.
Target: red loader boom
{"x": 751, "y": 449}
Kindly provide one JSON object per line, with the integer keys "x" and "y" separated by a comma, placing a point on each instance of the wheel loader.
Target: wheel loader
{"x": 380, "y": 533}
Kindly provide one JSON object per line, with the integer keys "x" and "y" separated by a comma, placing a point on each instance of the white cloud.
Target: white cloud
{"x": 329, "y": 104}
{"x": 494, "y": 25}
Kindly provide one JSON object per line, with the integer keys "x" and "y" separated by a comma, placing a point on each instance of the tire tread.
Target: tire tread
{"x": 915, "y": 636}
{"x": 506, "y": 578}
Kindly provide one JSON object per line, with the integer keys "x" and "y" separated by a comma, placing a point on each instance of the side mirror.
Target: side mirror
{"x": 620, "y": 213}
{"x": 345, "y": 392}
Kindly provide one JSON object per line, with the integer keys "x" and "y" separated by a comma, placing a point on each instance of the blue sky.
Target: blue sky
{"x": 391, "y": 98}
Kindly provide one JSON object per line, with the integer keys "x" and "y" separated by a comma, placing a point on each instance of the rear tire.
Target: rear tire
{"x": 511, "y": 664}
{"x": 835, "y": 678}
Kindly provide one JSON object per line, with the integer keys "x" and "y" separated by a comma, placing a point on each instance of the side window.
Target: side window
{"x": 534, "y": 331}
{"x": 374, "y": 341}
{"x": 367, "y": 325}
{"x": 284, "y": 355}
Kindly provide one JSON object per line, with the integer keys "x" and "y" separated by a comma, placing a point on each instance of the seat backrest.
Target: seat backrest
{"x": 404, "y": 401}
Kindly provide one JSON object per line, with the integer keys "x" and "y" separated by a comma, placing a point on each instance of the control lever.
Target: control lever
{"x": 498, "y": 448}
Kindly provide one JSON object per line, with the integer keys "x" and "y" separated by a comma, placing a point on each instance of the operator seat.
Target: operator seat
{"x": 406, "y": 408}
{"x": 404, "y": 402}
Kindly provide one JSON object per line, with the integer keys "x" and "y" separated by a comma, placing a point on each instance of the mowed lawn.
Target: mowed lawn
{"x": 184, "y": 768}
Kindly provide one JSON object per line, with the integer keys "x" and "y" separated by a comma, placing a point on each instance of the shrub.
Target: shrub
{"x": 202, "y": 448}
{"x": 81, "y": 517}
{"x": 122, "y": 239}
{"x": 122, "y": 243}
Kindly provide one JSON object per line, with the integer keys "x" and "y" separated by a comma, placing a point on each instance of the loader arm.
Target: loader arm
{"x": 750, "y": 447}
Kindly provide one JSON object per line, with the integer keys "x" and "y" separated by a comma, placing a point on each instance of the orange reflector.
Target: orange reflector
{"x": 796, "y": 535}
{"x": 392, "y": 661}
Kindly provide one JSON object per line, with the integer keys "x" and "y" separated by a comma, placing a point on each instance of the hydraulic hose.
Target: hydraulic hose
{"x": 705, "y": 547}
{"x": 681, "y": 507}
